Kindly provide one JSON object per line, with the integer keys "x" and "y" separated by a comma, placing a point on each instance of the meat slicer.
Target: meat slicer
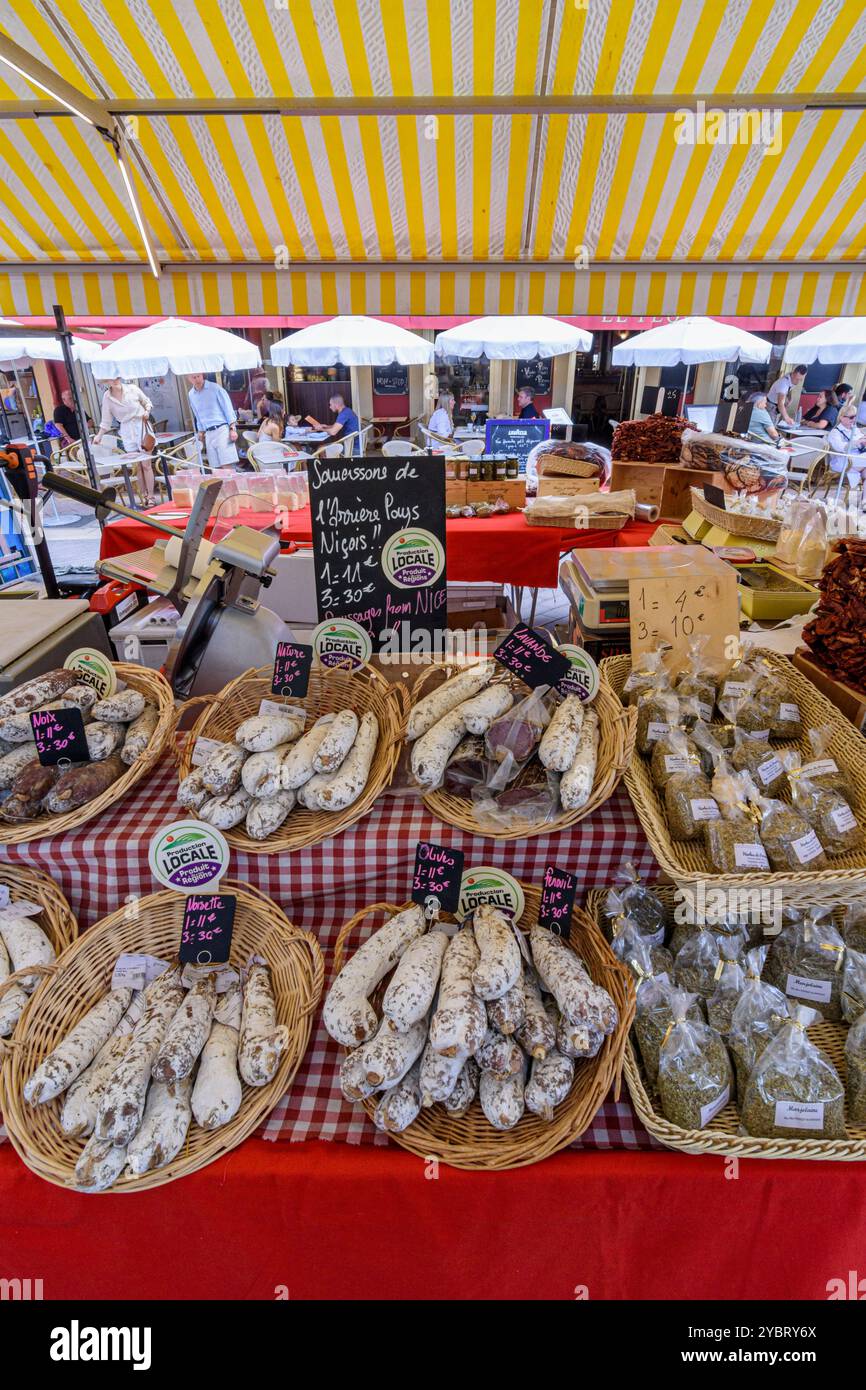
{"x": 222, "y": 627}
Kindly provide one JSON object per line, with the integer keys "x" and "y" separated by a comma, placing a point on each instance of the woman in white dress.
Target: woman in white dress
{"x": 124, "y": 404}
{"x": 846, "y": 446}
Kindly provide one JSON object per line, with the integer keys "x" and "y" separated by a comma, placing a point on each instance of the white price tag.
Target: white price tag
{"x": 789, "y": 713}
{"x": 675, "y": 762}
{"x": 843, "y": 818}
{"x": 807, "y": 848}
{"x": 733, "y": 690}
{"x": 136, "y": 971}
{"x": 822, "y": 767}
{"x": 655, "y": 731}
{"x": 203, "y": 749}
{"x": 277, "y": 707}
{"x": 769, "y": 770}
{"x": 704, "y": 808}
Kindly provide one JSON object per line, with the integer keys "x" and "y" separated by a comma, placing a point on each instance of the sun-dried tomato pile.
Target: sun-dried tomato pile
{"x": 657, "y": 439}
{"x": 837, "y": 633}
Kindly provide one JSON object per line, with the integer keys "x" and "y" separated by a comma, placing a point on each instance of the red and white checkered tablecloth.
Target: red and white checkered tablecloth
{"x": 102, "y": 864}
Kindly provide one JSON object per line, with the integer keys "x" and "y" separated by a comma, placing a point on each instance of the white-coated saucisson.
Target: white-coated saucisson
{"x": 122, "y": 1104}
{"x": 431, "y": 753}
{"x": 499, "y": 966}
{"x": 465, "y": 1090}
{"x": 550, "y": 1081}
{"x": 267, "y": 813}
{"x": 121, "y": 707}
{"x": 139, "y": 734}
{"x": 561, "y": 739}
{"x": 438, "y": 1075}
{"x": 537, "y": 1033}
{"x": 266, "y": 731}
{"x": 576, "y": 784}
{"x": 347, "y": 1015}
{"x": 78, "y": 1049}
{"x": 99, "y": 1165}
{"x": 263, "y": 1041}
{"x": 433, "y": 707}
{"x": 164, "y": 1126}
{"x": 459, "y": 1022}
{"x": 336, "y": 791}
{"x": 502, "y": 1098}
{"x": 187, "y": 1033}
{"x": 217, "y": 1093}
{"x": 412, "y": 986}
{"x": 508, "y": 1012}
{"x": 480, "y": 711}
{"x": 297, "y": 766}
{"x": 81, "y": 1101}
{"x": 400, "y": 1105}
{"x": 389, "y": 1055}
{"x": 499, "y": 1054}
{"x": 334, "y": 748}
{"x": 580, "y": 1001}
{"x": 26, "y": 943}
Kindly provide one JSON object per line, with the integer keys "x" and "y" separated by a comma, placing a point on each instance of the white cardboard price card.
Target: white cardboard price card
{"x": 677, "y": 610}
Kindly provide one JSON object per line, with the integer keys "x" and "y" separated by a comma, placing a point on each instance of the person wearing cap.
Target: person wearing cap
{"x": 526, "y": 404}
{"x": 780, "y": 391}
{"x": 214, "y": 418}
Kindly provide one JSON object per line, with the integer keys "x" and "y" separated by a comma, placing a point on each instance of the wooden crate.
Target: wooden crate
{"x": 566, "y": 487}
{"x": 647, "y": 480}
{"x": 663, "y": 485}
{"x": 847, "y": 698}
{"x": 511, "y": 490}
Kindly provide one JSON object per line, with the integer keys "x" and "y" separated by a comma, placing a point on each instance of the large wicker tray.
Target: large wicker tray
{"x": 616, "y": 744}
{"x": 329, "y": 691}
{"x": 758, "y": 527}
{"x": 81, "y": 978}
{"x": 721, "y": 1135}
{"x": 56, "y": 919}
{"x": 686, "y": 861}
{"x": 471, "y": 1142}
{"x": 157, "y": 690}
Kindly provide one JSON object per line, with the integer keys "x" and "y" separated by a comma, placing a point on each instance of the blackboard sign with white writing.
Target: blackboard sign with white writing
{"x": 515, "y": 437}
{"x": 292, "y": 669}
{"x": 206, "y": 933}
{"x": 528, "y": 654}
{"x": 557, "y": 900}
{"x": 391, "y": 381}
{"x": 59, "y": 736}
{"x": 379, "y": 547}
{"x": 438, "y": 873}
{"x": 536, "y": 374}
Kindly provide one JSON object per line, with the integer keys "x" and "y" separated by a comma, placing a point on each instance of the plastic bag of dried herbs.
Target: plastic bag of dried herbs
{"x": 855, "y": 1059}
{"x": 647, "y": 672}
{"x": 653, "y": 1016}
{"x": 763, "y": 764}
{"x": 627, "y": 937}
{"x": 758, "y": 1015}
{"x": 822, "y": 766}
{"x": 794, "y": 1091}
{"x": 689, "y": 803}
{"x": 698, "y": 678}
{"x": 852, "y": 999}
{"x": 828, "y": 813}
{"x": 658, "y": 711}
{"x": 787, "y": 836}
{"x": 786, "y": 720}
{"x": 730, "y": 979}
{"x": 853, "y": 928}
{"x": 695, "y": 1076}
{"x": 708, "y": 744}
{"x": 726, "y": 928}
{"x": 806, "y": 961}
{"x": 733, "y": 843}
{"x": 671, "y": 753}
{"x": 696, "y": 964}
{"x": 746, "y": 705}
{"x": 630, "y": 897}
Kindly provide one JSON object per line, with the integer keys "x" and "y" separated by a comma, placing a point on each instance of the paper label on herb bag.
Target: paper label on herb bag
{"x": 757, "y": 735}
{"x": 803, "y": 987}
{"x": 807, "y": 848}
{"x": 789, "y": 713}
{"x": 843, "y": 818}
{"x": 712, "y": 1108}
{"x": 799, "y": 1114}
{"x": 704, "y": 808}
{"x": 655, "y": 731}
{"x": 675, "y": 762}
{"x": 732, "y": 690}
{"x": 133, "y": 971}
{"x": 751, "y": 857}
{"x": 820, "y": 768}
{"x": 203, "y": 749}
{"x": 769, "y": 770}
{"x": 706, "y": 710}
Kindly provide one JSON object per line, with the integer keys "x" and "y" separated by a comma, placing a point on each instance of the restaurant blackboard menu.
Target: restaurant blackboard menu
{"x": 515, "y": 437}
{"x": 379, "y": 547}
{"x": 391, "y": 381}
{"x": 535, "y": 373}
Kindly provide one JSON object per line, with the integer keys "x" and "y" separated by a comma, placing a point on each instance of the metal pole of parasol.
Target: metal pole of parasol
{"x": 65, "y": 338}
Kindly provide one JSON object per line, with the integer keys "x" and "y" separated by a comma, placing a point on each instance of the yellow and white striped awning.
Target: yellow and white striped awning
{"x": 438, "y": 157}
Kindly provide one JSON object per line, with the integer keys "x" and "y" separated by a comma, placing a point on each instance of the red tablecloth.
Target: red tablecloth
{"x": 498, "y": 550}
{"x": 317, "y": 1221}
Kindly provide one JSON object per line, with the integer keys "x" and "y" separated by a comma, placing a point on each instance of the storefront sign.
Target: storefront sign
{"x": 515, "y": 437}
{"x": 60, "y": 736}
{"x": 536, "y": 374}
{"x": 583, "y": 678}
{"x": 491, "y": 885}
{"x": 438, "y": 874}
{"x": 391, "y": 381}
{"x": 557, "y": 900}
{"x": 379, "y": 545}
{"x": 292, "y": 665}
{"x": 528, "y": 655}
{"x": 188, "y": 855}
{"x": 342, "y": 643}
{"x": 206, "y": 931}
{"x": 94, "y": 669}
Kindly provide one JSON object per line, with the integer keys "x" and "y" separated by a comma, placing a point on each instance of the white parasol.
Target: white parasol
{"x": 176, "y": 345}
{"x": 21, "y": 350}
{"x": 835, "y": 340}
{"x": 354, "y": 339}
{"x": 516, "y": 338}
{"x": 690, "y": 340}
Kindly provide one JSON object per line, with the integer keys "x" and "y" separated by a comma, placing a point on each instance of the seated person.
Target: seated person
{"x": 441, "y": 422}
{"x": 345, "y": 424}
{"x": 760, "y": 421}
{"x": 272, "y": 425}
{"x": 526, "y": 404}
{"x": 825, "y": 418}
{"x": 847, "y": 445}
{"x": 815, "y": 410}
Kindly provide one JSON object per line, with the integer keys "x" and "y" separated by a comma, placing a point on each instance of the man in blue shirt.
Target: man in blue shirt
{"x": 214, "y": 418}
{"x": 346, "y": 423}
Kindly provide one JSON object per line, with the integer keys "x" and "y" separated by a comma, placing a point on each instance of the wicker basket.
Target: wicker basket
{"x": 83, "y": 976}
{"x": 329, "y": 691}
{"x": 158, "y": 692}
{"x": 757, "y": 527}
{"x": 471, "y": 1141}
{"x": 721, "y": 1135}
{"x": 56, "y": 919}
{"x": 616, "y": 743}
{"x": 687, "y": 862}
{"x": 596, "y": 521}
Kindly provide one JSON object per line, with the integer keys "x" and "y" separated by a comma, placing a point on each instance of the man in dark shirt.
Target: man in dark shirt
{"x": 345, "y": 424}
{"x": 526, "y": 404}
{"x": 65, "y": 419}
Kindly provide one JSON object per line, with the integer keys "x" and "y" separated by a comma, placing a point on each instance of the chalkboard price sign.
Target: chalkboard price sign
{"x": 438, "y": 873}
{"x": 391, "y": 381}
{"x": 379, "y": 547}
{"x": 557, "y": 899}
{"x": 292, "y": 669}
{"x": 535, "y": 373}
{"x": 206, "y": 933}
{"x": 515, "y": 437}
{"x": 60, "y": 736}
{"x": 528, "y": 654}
